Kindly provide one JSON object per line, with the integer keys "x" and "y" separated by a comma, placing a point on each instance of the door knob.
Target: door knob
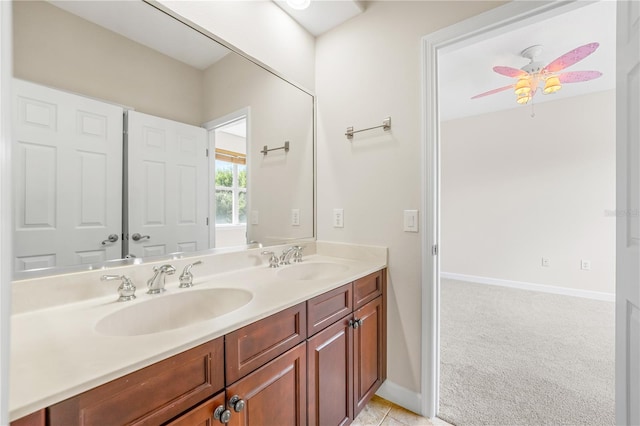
{"x": 138, "y": 237}
{"x": 110, "y": 239}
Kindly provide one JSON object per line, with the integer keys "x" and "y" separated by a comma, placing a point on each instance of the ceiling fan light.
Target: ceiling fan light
{"x": 523, "y": 86}
{"x": 552, "y": 85}
{"x": 523, "y": 98}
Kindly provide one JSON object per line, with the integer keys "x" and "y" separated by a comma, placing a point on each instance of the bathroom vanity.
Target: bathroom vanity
{"x": 308, "y": 347}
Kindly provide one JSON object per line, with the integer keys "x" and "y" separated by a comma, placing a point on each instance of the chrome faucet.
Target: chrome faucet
{"x": 156, "y": 283}
{"x": 287, "y": 254}
{"x": 274, "y": 262}
{"x": 186, "y": 278}
{"x": 126, "y": 291}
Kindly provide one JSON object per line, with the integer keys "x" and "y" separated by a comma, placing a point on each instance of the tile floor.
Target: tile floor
{"x": 380, "y": 412}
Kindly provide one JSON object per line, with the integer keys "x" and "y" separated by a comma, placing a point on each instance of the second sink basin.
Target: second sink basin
{"x": 312, "y": 271}
{"x": 171, "y": 311}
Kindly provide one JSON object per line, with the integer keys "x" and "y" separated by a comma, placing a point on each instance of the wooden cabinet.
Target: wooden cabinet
{"x": 253, "y": 345}
{"x": 34, "y": 419}
{"x": 269, "y": 368}
{"x": 150, "y": 396}
{"x": 347, "y": 360}
{"x": 201, "y": 415}
{"x": 369, "y": 352}
{"x": 274, "y": 394}
{"x": 330, "y": 374}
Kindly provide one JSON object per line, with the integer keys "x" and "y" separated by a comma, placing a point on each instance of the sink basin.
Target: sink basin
{"x": 171, "y": 311}
{"x": 311, "y": 271}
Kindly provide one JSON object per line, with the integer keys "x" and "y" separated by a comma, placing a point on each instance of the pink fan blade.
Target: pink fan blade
{"x": 578, "y": 76}
{"x": 491, "y": 92}
{"x": 509, "y": 72}
{"x": 571, "y": 57}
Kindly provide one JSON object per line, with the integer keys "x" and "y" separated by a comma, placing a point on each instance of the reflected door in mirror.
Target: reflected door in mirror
{"x": 67, "y": 178}
{"x": 168, "y": 186}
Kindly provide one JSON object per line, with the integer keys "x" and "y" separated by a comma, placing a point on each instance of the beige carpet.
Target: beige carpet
{"x": 517, "y": 357}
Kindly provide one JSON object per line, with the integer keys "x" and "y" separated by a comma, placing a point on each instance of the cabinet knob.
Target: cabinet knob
{"x": 221, "y": 414}
{"x": 355, "y": 323}
{"x": 236, "y": 403}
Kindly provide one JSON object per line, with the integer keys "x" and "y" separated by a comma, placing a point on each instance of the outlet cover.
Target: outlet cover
{"x": 295, "y": 217}
{"x": 338, "y": 218}
{"x": 411, "y": 221}
{"x": 255, "y": 217}
{"x": 585, "y": 265}
{"x": 545, "y": 262}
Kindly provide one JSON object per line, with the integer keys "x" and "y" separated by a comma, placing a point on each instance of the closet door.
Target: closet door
{"x": 167, "y": 186}
{"x": 67, "y": 178}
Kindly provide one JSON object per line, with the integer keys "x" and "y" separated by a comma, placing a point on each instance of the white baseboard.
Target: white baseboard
{"x": 400, "y": 396}
{"x": 587, "y": 294}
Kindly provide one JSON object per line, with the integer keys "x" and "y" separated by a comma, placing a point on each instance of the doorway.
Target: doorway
{"x": 228, "y": 143}
{"x": 468, "y": 32}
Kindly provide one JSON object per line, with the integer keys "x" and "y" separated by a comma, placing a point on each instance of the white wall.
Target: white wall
{"x": 515, "y": 189}
{"x": 58, "y": 49}
{"x": 367, "y": 69}
{"x": 260, "y": 29}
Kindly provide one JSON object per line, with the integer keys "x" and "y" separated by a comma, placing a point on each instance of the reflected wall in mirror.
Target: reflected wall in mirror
{"x": 182, "y": 172}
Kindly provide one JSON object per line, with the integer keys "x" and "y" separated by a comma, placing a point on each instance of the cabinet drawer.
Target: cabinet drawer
{"x": 202, "y": 414}
{"x": 256, "y": 344}
{"x": 149, "y": 396}
{"x": 324, "y": 310}
{"x": 367, "y": 288}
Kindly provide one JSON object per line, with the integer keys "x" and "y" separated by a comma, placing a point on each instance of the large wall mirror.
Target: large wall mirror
{"x": 136, "y": 136}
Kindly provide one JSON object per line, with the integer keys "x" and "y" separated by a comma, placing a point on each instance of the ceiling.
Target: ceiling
{"x": 468, "y": 71}
{"x": 322, "y": 15}
{"x": 149, "y": 27}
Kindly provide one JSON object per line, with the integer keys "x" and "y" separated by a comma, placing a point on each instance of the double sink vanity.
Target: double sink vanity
{"x": 250, "y": 344}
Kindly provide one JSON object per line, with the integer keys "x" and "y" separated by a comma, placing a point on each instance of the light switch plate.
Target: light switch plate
{"x": 295, "y": 217}
{"x": 255, "y": 217}
{"x": 411, "y": 221}
{"x": 338, "y": 218}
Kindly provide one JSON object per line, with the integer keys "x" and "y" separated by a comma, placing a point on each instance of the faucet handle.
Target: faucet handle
{"x": 274, "y": 262}
{"x": 186, "y": 278}
{"x": 297, "y": 254}
{"x": 126, "y": 290}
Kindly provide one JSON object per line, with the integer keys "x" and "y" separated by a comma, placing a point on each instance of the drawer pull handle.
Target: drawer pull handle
{"x": 236, "y": 403}
{"x": 221, "y": 414}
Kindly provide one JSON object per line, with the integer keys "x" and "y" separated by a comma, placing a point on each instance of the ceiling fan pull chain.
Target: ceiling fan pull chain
{"x": 533, "y": 110}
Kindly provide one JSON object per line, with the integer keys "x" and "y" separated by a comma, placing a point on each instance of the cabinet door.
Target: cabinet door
{"x": 330, "y": 375}
{"x": 369, "y": 352}
{"x": 202, "y": 415}
{"x": 275, "y": 394}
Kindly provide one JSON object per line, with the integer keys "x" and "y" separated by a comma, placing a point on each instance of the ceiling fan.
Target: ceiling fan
{"x": 550, "y": 78}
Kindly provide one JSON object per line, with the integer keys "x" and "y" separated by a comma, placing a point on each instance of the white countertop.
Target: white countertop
{"x": 56, "y": 352}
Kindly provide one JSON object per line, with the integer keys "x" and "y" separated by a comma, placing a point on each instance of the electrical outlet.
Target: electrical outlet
{"x": 255, "y": 217}
{"x": 585, "y": 265}
{"x": 295, "y": 217}
{"x": 545, "y": 262}
{"x": 338, "y": 218}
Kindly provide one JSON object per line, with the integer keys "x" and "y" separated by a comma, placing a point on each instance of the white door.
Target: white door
{"x": 168, "y": 186}
{"x": 628, "y": 220}
{"x": 67, "y": 178}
